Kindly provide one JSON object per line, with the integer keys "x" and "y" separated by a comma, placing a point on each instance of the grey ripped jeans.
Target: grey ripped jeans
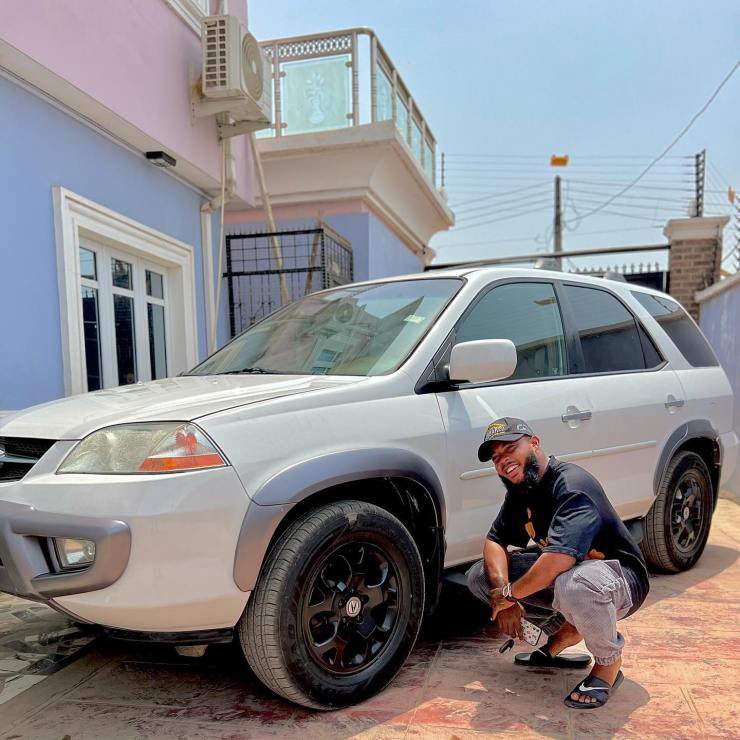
{"x": 592, "y": 596}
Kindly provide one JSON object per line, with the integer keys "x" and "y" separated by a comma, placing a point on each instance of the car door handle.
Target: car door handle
{"x": 574, "y": 414}
{"x": 674, "y": 403}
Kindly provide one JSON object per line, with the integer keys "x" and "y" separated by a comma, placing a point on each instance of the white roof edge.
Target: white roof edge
{"x": 719, "y": 287}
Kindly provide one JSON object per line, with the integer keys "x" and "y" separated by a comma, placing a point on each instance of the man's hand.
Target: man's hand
{"x": 506, "y": 614}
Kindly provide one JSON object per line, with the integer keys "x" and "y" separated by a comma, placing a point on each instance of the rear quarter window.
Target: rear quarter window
{"x": 683, "y": 332}
{"x": 608, "y": 333}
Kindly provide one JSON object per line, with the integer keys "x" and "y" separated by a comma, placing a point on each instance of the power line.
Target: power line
{"x": 491, "y": 207}
{"x": 668, "y": 148}
{"x": 531, "y": 192}
{"x": 646, "y": 205}
{"x": 633, "y": 216}
{"x": 518, "y": 206}
{"x": 535, "y": 236}
{"x": 485, "y": 155}
{"x": 501, "y": 195}
{"x": 504, "y": 218}
{"x": 617, "y": 167}
{"x": 605, "y": 184}
{"x": 683, "y": 201}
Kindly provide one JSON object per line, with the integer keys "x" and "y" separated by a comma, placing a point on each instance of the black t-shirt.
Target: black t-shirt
{"x": 569, "y": 512}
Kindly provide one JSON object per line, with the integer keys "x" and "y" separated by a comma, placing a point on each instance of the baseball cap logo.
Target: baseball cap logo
{"x": 498, "y": 427}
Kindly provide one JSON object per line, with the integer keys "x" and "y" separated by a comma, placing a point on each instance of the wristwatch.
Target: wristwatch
{"x": 506, "y": 593}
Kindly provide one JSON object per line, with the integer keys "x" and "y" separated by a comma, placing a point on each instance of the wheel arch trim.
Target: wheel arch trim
{"x": 693, "y": 429}
{"x": 275, "y": 498}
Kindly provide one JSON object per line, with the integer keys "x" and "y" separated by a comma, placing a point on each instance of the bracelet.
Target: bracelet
{"x": 506, "y": 593}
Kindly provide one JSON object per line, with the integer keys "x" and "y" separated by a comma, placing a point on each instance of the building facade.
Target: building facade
{"x": 108, "y": 263}
{"x": 349, "y": 147}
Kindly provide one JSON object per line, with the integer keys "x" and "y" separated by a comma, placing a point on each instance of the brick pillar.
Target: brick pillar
{"x": 695, "y": 256}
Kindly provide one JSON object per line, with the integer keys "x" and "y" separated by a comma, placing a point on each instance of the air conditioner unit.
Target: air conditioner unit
{"x": 236, "y": 74}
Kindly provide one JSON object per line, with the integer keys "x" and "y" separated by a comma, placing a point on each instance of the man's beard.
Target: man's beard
{"x": 532, "y": 476}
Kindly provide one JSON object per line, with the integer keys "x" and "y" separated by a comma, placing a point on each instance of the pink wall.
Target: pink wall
{"x": 134, "y": 57}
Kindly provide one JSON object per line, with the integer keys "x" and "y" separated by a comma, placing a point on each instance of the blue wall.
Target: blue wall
{"x": 719, "y": 318}
{"x": 40, "y": 147}
{"x": 388, "y": 254}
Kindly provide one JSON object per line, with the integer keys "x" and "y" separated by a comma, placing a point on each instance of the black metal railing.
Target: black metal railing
{"x": 267, "y": 270}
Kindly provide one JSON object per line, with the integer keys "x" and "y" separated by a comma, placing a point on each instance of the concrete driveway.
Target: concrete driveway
{"x": 682, "y": 667}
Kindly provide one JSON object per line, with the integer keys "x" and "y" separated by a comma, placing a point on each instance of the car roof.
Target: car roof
{"x": 486, "y": 273}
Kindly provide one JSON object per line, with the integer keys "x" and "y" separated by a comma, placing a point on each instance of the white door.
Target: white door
{"x": 124, "y": 308}
{"x": 539, "y": 392}
{"x": 635, "y": 399}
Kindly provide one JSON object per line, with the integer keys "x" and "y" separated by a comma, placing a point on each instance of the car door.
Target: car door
{"x": 635, "y": 397}
{"x": 539, "y": 391}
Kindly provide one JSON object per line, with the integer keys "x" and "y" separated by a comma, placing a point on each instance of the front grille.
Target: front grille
{"x": 22, "y": 447}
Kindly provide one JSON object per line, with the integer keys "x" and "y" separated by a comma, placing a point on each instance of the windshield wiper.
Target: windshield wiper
{"x": 249, "y": 370}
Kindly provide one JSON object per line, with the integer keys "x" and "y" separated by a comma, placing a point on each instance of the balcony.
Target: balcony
{"x": 318, "y": 85}
{"x": 347, "y": 133}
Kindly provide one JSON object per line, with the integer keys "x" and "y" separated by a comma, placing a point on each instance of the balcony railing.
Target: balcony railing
{"x": 319, "y": 84}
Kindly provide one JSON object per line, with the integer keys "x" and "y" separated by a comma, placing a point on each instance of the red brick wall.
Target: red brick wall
{"x": 694, "y": 264}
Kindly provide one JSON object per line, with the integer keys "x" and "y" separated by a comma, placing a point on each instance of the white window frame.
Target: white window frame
{"x": 77, "y": 218}
{"x": 164, "y": 302}
{"x": 106, "y": 316}
{"x": 191, "y": 11}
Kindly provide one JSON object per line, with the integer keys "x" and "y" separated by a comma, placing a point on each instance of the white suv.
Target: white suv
{"x": 307, "y": 486}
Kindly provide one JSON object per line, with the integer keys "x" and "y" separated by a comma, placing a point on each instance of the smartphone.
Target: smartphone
{"x": 531, "y": 632}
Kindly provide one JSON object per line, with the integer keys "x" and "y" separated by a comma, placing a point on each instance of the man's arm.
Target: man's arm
{"x": 542, "y": 574}
{"x": 496, "y": 562}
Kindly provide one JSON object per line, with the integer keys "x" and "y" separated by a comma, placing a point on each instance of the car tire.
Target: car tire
{"x": 337, "y": 607}
{"x": 676, "y": 528}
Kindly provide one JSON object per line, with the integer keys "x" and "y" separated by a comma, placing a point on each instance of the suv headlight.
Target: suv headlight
{"x": 161, "y": 447}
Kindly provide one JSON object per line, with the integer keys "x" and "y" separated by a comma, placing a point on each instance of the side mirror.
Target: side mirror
{"x": 482, "y": 361}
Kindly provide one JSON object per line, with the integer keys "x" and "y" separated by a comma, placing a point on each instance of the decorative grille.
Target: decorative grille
{"x": 309, "y": 48}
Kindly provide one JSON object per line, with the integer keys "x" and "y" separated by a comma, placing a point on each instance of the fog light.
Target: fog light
{"x": 74, "y": 553}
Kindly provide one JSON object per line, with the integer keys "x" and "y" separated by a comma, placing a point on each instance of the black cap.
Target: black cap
{"x": 506, "y": 429}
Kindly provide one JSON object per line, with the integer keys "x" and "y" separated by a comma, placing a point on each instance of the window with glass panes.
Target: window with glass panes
{"x": 124, "y": 314}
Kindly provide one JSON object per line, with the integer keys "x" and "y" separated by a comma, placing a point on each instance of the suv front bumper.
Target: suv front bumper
{"x": 165, "y": 546}
{"x": 28, "y": 566}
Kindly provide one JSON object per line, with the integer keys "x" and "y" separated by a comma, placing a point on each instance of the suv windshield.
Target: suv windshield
{"x": 357, "y": 330}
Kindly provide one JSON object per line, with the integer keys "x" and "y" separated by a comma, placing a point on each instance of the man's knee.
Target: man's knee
{"x": 588, "y": 586}
{"x": 572, "y": 595}
{"x": 478, "y": 581}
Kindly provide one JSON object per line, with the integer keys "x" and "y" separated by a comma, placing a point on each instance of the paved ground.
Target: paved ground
{"x": 682, "y": 667}
{"x": 35, "y": 642}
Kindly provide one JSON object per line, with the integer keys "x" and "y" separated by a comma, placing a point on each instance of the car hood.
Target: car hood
{"x": 174, "y": 399}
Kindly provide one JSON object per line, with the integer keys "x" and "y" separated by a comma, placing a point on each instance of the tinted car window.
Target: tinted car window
{"x": 609, "y": 338}
{"x": 649, "y": 350}
{"x": 680, "y": 328}
{"x": 528, "y": 315}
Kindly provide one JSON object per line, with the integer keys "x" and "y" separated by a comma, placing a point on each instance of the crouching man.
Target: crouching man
{"x": 585, "y": 573}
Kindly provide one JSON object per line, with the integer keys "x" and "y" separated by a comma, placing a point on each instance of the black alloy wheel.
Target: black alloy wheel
{"x": 688, "y": 512}
{"x": 350, "y": 607}
{"x": 337, "y": 607}
{"x": 677, "y": 525}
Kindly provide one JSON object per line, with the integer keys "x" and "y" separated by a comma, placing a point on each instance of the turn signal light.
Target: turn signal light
{"x": 188, "y": 453}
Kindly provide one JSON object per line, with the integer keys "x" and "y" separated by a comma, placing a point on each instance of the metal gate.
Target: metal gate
{"x": 265, "y": 268}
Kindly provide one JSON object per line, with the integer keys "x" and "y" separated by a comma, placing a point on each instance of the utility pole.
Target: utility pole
{"x": 558, "y": 224}
{"x": 700, "y": 161}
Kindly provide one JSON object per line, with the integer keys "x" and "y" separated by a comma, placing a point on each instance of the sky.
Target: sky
{"x": 503, "y": 85}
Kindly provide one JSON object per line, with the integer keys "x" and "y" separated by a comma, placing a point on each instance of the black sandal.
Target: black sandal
{"x": 541, "y": 658}
{"x": 596, "y": 689}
